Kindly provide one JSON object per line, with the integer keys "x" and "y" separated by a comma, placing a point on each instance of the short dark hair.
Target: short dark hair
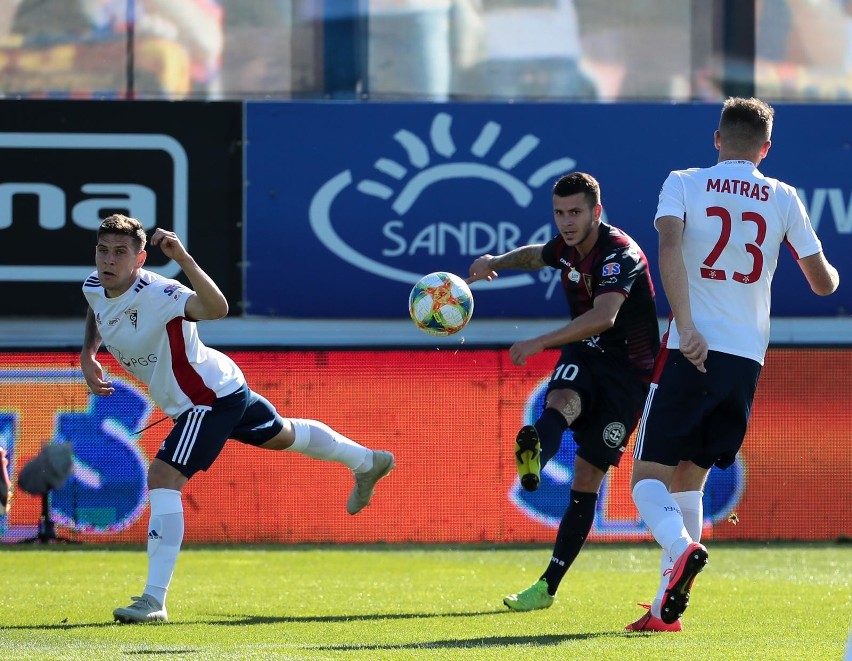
{"x": 124, "y": 226}
{"x": 746, "y": 124}
{"x": 578, "y": 182}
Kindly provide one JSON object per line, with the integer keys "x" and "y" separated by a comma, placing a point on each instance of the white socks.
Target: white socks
{"x": 319, "y": 441}
{"x": 661, "y": 513}
{"x": 692, "y": 511}
{"x": 165, "y": 534}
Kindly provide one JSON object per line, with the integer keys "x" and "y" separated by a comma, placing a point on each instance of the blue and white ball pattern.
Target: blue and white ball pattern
{"x": 440, "y": 303}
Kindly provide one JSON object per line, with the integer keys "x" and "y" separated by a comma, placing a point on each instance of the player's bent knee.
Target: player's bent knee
{"x": 650, "y": 470}
{"x": 566, "y": 402}
{"x": 283, "y": 439}
{"x": 277, "y": 443}
{"x": 163, "y": 476}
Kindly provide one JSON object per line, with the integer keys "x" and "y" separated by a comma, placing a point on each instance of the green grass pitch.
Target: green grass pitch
{"x": 753, "y": 601}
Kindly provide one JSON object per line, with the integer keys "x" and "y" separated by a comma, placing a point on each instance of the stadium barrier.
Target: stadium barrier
{"x": 450, "y": 415}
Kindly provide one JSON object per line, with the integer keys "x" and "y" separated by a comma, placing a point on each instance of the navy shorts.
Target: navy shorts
{"x": 695, "y": 416}
{"x": 611, "y": 396}
{"x": 200, "y": 433}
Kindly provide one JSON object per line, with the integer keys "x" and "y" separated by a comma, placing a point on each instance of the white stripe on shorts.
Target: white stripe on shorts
{"x": 189, "y": 434}
{"x": 640, "y": 436}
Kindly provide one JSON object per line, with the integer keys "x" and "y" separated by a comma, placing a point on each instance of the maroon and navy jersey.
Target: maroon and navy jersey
{"x": 615, "y": 263}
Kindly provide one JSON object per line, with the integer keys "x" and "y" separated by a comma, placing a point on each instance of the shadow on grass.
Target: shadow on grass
{"x": 62, "y": 626}
{"x": 154, "y": 652}
{"x": 474, "y": 643}
{"x": 243, "y": 620}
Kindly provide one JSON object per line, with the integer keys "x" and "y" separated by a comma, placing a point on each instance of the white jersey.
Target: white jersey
{"x": 735, "y": 220}
{"x": 146, "y": 331}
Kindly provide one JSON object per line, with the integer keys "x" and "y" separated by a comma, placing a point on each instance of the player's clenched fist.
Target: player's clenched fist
{"x": 169, "y": 243}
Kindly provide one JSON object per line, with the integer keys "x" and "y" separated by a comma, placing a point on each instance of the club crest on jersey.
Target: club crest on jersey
{"x": 612, "y": 268}
{"x": 587, "y": 280}
{"x": 614, "y": 433}
{"x": 132, "y": 315}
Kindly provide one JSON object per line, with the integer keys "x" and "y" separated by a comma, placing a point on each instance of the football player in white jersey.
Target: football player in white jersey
{"x": 147, "y": 323}
{"x": 720, "y": 231}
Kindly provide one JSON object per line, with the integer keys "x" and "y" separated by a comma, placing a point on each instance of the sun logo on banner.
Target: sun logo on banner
{"x": 430, "y": 161}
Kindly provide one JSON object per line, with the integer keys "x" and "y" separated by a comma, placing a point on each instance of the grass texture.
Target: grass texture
{"x": 776, "y": 601}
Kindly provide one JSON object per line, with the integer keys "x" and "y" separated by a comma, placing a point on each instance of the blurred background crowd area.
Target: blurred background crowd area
{"x": 427, "y": 50}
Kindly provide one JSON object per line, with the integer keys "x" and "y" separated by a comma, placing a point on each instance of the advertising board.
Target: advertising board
{"x": 450, "y": 417}
{"x": 361, "y": 199}
{"x": 66, "y": 165}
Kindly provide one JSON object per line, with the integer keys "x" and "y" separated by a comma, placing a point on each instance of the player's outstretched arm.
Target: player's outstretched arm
{"x": 481, "y": 269}
{"x": 822, "y": 276}
{"x": 527, "y": 258}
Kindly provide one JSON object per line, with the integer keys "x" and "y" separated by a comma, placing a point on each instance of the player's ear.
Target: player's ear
{"x": 597, "y": 211}
{"x": 143, "y": 255}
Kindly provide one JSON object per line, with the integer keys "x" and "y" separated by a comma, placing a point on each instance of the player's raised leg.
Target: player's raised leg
{"x": 319, "y": 441}
{"x": 528, "y": 457}
{"x": 537, "y": 444}
{"x": 686, "y": 568}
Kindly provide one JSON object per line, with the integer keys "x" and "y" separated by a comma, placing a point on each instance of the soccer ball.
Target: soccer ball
{"x": 440, "y": 304}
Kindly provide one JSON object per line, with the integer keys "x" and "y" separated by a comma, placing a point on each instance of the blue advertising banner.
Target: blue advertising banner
{"x": 348, "y": 204}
